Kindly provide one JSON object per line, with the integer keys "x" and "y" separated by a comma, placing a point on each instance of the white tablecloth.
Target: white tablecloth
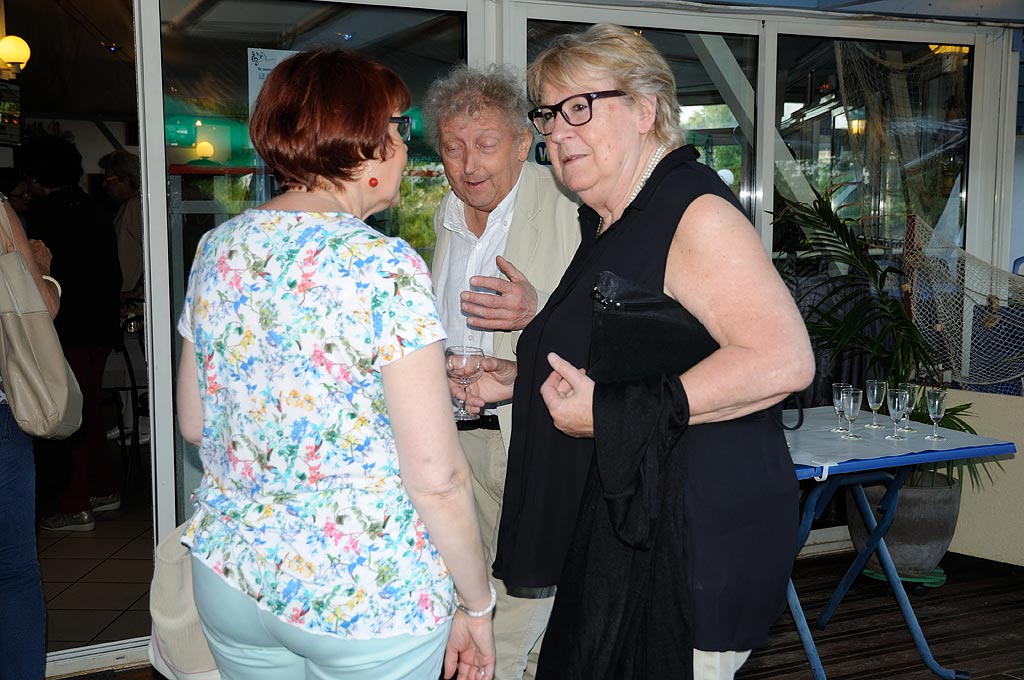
{"x": 814, "y": 445}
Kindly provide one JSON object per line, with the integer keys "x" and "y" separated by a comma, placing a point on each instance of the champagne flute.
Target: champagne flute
{"x": 852, "y": 397}
{"x": 913, "y": 391}
{"x": 876, "y": 397}
{"x": 936, "y": 400}
{"x": 463, "y": 365}
{"x": 896, "y": 400}
{"x": 837, "y": 404}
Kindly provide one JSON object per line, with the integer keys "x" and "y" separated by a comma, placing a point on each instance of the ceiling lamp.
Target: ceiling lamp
{"x": 15, "y": 52}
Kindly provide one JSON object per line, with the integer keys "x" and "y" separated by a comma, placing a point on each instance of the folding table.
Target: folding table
{"x": 835, "y": 463}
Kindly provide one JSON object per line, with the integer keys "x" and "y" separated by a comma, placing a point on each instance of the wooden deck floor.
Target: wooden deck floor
{"x": 974, "y": 623}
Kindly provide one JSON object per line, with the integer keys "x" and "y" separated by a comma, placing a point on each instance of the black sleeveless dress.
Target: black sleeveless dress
{"x": 715, "y": 576}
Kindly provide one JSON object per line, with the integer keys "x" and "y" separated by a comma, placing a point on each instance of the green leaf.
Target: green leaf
{"x": 854, "y": 314}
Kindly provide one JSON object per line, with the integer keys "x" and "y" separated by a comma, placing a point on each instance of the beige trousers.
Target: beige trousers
{"x": 717, "y": 665}
{"x": 518, "y": 623}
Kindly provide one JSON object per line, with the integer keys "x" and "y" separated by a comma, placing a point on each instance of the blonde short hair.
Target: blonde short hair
{"x": 622, "y": 54}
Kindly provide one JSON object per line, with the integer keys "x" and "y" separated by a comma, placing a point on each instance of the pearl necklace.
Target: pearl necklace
{"x": 640, "y": 185}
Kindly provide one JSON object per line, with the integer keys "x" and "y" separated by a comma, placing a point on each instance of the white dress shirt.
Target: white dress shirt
{"x": 470, "y": 256}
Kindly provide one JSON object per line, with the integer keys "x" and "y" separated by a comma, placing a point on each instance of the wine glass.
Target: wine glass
{"x": 837, "y": 404}
{"x": 852, "y": 397}
{"x": 463, "y": 365}
{"x": 935, "y": 397}
{"x": 896, "y": 400}
{"x": 875, "y": 393}
{"x": 913, "y": 391}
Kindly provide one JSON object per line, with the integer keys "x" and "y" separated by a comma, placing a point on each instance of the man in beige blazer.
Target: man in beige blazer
{"x": 505, "y": 233}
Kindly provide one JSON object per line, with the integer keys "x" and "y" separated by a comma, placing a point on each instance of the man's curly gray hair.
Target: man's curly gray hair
{"x": 466, "y": 91}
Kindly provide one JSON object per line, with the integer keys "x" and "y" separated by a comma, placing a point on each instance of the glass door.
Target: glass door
{"x": 213, "y": 60}
{"x": 716, "y": 76}
{"x": 882, "y": 126}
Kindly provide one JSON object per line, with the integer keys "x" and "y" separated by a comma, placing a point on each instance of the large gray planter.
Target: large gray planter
{"x": 922, "y": 529}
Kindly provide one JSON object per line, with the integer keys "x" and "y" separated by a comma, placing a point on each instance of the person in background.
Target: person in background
{"x": 336, "y": 506}
{"x": 79, "y": 233}
{"x": 15, "y": 187}
{"x": 667, "y": 501}
{"x": 505, "y": 233}
{"x": 23, "y": 614}
{"x": 121, "y": 181}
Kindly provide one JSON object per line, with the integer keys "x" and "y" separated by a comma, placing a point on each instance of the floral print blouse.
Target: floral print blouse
{"x": 301, "y": 505}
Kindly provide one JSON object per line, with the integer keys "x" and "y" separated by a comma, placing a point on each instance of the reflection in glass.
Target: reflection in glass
{"x": 710, "y": 69}
{"x": 890, "y": 120}
{"x": 214, "y": 62}
{"x": 213, "y": 54}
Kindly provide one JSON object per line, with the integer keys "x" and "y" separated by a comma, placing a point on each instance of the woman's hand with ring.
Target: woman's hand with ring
{"x": 569, "y": 396}
{"x": 469, "y": 653}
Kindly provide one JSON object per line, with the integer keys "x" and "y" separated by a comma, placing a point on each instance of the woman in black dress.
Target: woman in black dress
{"x": 663, "y": 504}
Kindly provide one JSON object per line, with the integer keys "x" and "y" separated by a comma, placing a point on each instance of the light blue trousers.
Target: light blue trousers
{"x": 251, "y": 644}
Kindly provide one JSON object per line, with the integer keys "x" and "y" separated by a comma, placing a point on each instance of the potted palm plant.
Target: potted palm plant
{"x": 855, "y": 308}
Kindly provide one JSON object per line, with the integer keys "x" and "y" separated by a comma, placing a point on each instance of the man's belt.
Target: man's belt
{"x": 529, "y": 593}
{"x": 484, "y": 422}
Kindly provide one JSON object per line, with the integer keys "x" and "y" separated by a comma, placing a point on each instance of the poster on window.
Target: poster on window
{"x": 261, "y": 62}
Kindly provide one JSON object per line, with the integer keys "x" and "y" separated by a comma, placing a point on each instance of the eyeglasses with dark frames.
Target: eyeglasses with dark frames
{"x": 576, "y": 110}
{"x": 404, "y": 124}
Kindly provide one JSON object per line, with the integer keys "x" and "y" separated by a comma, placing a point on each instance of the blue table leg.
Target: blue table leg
{"x": 887, "y": 507}
{"x": 804, "y": 631}
{"x": 901, "y": 597}
{"x": 814, "y": 504}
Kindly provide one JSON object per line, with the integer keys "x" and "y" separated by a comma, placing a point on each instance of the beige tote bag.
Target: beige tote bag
{"x": 177, "y": 647}
{"x": 40, "y": 387}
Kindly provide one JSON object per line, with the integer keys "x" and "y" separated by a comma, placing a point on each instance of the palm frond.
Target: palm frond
{"x": 852, "y": 312}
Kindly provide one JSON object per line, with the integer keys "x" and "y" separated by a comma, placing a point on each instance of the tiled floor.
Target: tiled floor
{"x": 96, "y": 583}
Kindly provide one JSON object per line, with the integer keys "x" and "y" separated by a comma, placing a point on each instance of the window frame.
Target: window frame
{"x": 990, "y": 163}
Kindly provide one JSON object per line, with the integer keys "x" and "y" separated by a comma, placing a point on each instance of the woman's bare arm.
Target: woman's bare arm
{"x": 718, "y": 269}
{"x": 190, "y": 402}
{"x": 438, "y": 479}
{"x": 35, "y": 267}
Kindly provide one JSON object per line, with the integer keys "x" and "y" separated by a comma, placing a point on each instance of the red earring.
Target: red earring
{"x": 373, "y": 180}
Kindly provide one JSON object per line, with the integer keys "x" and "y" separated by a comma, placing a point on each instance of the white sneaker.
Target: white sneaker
{"x": 105, "y": 503}
{"x": 65, "y": 521}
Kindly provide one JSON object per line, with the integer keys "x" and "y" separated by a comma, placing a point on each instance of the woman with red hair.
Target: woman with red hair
{"x": 336, "y": 508}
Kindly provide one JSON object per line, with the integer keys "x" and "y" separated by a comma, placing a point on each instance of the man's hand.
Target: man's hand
{"x": 513, "y": 306}
{"x": 494, "y": 385}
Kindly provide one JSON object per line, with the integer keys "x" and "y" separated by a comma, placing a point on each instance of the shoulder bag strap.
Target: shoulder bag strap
{"x": 8, "y": 230}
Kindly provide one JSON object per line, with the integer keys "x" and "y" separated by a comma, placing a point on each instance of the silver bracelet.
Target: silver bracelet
{"x": 483, "y": 612}
{"x": 54, "y": 282}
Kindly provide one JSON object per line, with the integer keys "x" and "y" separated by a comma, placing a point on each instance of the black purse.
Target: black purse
{"x": 637, "y": 333}
{"x": 641, "y": 341}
